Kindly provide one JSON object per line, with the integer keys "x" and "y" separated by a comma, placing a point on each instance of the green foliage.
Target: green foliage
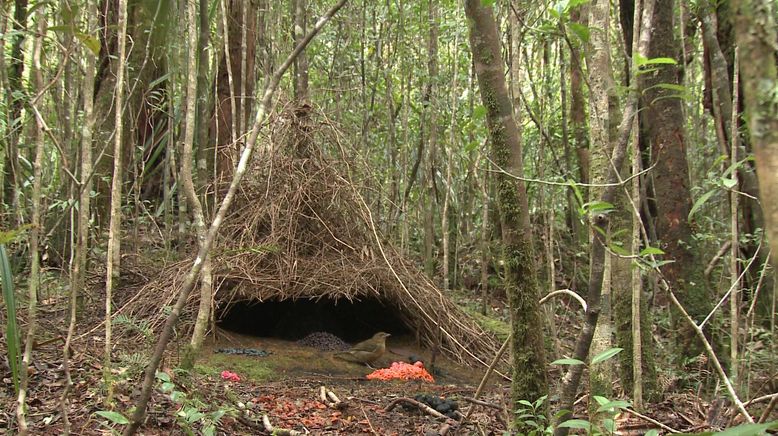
{"x": 112, "y": 420}
{"x": 605, "y": 355}
{"x": 129, "y": 324}
{"x": 193, "y": 416}
{"x": 744, "y": 430}
{"x": 12, "y": 332}
{"x": 531, "y": 417}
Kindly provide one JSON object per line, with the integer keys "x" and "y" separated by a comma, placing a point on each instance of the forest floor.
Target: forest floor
{"x": 284, "y": 385}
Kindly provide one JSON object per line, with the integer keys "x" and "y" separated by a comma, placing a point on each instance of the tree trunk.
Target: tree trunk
{"x": 35, "y": 230}
{"x": 429, "y": 191}
{"x": 300, "y": 72}
{"x": 235, "y": 82}
{"x": 601, "y": 120}
{"x": 206, "y": 278}
{"x": 755, "y": 29}
{"x": 115, "y": 227}
{"x": 665, "y": 134}
{"x": 13, "y": 100}
{"x": 572, "y": 378}
{"x": 529, "y": 370}
{"x": 85, "y": 190}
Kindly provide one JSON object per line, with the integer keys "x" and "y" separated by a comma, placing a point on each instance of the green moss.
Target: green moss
{"x": 250, "y": 368}
{"x": 496, "y": 326}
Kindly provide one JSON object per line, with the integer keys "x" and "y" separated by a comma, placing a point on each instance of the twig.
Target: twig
{"x": 769, "y": 409}
{"x": 567, "y": 292}
{"x": 486, "y": 376}
{"x": 651, "y": 420}
{"x": 367, "y": 418}
{"x": 482, "y": 403}
{"x": 278, "y": 431}
{"x": 711, "y": 355}
{"x": 425, "y": 408}
{"x": 330, "y": 399}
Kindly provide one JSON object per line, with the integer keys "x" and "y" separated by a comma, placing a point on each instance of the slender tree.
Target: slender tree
{"x": 114, "y": 230}
{"x": 187, "y": 157}
{"x": 529, "y": 370}
{"x": 77, "y": 279}
{"x": 35, "y": 232}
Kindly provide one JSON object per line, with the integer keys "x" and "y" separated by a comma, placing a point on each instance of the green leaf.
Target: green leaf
{"x": 729, "y": 182}
{"x": 671, "y": 86}
{"x": 641, "y": 60}
{"x": 581, "y": 31}
{"x": 618, "y": 249}
{"x": 487, "y": 3}
{"x": 613, "y": 405}
{"x": 652, "y": 432}
{"x": 598, "y": 206}
{"x": 580, "y": 424}
{"x": 651, "y": 250}
{"x": 607, "y": 354}
{"x": 114, "y": 417}
{"x": 479, "y": 112}
{"x": 88, "y": 41}
{"x": 749, "y": 429}
{"x": 165, "y": 377}
{"x": 700, "y": 201}
{"x": 568, "y": 362}
{"x": 12, "y": 332}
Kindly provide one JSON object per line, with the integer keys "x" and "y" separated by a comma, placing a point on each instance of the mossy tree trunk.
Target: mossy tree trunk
{"x": 529, "y": 370}
{"x": 602, "y": 119}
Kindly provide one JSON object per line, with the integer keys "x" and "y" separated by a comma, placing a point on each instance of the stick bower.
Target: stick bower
{"x": 298, "y": 230}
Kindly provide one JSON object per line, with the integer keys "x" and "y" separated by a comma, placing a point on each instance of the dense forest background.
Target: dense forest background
{"x": 605, "y": 154}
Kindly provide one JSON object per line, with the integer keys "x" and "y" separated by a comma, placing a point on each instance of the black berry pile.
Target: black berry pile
{"x": 445, "y": 406}
{"x": 324, "y": 341}
{"x": 246, "y": 351}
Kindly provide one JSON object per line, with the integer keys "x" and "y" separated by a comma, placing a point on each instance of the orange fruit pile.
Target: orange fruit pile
{"x": 402, "y": 371}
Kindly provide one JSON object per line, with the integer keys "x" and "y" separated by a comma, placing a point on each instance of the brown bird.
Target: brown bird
{"x": 367, "y": 351}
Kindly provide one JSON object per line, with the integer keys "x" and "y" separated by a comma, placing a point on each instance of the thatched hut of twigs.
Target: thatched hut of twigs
{"x": 300, "y": 252}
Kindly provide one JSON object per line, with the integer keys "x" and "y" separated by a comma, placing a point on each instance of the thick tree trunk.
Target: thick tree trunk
{"x": 529, "y": 371}
{"x": 671, "y": 181}
{"x": 755, "y": 29}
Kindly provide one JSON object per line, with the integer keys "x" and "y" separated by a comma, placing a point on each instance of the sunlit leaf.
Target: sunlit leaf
{"x": 607, "y": 354}
{"x": 114, "y": 417}
{"x": 651, "y": 250}
{"x": 580, "y": 424}
{"x": 568, "y": 362}
{"x": 700, "y": 202}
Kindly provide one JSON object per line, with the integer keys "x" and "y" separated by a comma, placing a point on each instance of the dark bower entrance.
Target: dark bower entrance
{"x": 350, "y": 320}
